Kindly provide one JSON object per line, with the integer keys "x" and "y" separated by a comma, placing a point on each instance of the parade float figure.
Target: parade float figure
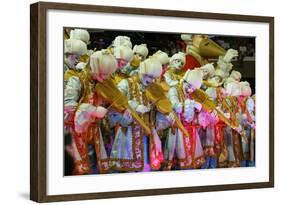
{"x": 181, "y": 151}
{"x": 207, "y": 132}
{"x": 163, "y": 58}
{"x": 215, "y": 76}
{"x": 83, "y": 109}
{"x": 191, "y": 82}
{"x": 232, "y": 137}
{"x": 121, "y": 48}
{"x": 133, "y": 148}
{"x": 224, "y": 62}
{"x": 246, "y": 118}
{"x": 123, "y": 55}
{"x": 73, "y": 50}
{"x": 235, "y": 76}
{"x": 227, "y": 116}
{"x": 174, "y": 72}
{"x": 200, "y": 51}
{"x": 208, "y": 71}
{"x": 216, "y": 80}
{"x": 83, "y": 35}
{"x": 213, "y": 134}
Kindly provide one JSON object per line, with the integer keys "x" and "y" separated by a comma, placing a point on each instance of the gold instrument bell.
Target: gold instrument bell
{"x": 110, "y": 93}
{"x": 156, "y": 95}
{"x": 209, "y": 49}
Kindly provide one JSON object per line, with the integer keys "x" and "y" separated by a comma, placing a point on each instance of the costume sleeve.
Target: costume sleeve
{"x": 250, "y": 104}
{"x": 189, "y": 111}
{"x": 162, "y": 122}
{"x": 173, "y": 96}
{"x": 169, "y": 79}
{"x": 84, "y": 117}
{"x": 71, "y": 97}
{"x": 123, "y": 86}
{"x": 72, "y": 92}
{"x": 116, "y": 117}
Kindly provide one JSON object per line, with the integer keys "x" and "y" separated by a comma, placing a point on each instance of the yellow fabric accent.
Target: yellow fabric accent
{"x": 135, "y": 63}
{"x": 69, "y": 73}
{"x": 84, "y": 77}
{"x": 118, "y": 77}
{"x": 84, "y": 58}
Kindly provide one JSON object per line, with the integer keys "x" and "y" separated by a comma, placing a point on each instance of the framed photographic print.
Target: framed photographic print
{"x": 135, "y": 102}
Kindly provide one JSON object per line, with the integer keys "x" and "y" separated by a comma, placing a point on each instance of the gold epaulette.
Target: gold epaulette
{"x": 180, "y": 74}
{"x": 118, "y": 77}
{"x": 164, "y": 85}
{"x": 69, "y": 73}
{"x": 84, "y": 78}
{"x": 135, "y": 63}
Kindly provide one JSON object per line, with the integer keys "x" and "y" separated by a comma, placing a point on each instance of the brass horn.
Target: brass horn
{"x": 210, "y": 49}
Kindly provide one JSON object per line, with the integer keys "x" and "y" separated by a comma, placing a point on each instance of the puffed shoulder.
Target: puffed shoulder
{"x": 123, "y": 86}
{"x": 74, "y": 82}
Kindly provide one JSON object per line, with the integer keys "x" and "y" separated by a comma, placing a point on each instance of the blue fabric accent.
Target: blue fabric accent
{"x": 247, "y": 163}
{"x": 146, "y": 150}
{"x": 210, "y": 163}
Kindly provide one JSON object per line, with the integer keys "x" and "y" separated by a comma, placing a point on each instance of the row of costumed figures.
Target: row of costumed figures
{"x": 125, "y": 111}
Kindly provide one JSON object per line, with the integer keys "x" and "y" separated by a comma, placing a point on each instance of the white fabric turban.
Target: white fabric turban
{"x": 74, "y": 46}
{"x": 178, "y": 56}
{"x": 151, "y": 67}
{"x": 141, "y": 49}
{"x": 236, "y": 75}
{"x": 194, "y": 78}
{"x": 186, "y": 37}
{"x": 80, "y": 34}
{"x": 123, "y": 52}
{"x": 233, "y": 89}
{"x": 161, "y": 56}
{"x": 122, "y": 41}
{"x": 245, "y": 88}
{"x": 103, "y": 62}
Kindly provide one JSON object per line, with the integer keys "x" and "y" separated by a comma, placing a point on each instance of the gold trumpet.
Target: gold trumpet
{"x": 110, "y": 93}
{"x": 156, "y": 95}
{"x": 209, "y": 49}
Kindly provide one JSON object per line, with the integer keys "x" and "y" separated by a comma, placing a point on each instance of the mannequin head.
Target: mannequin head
{"x": 150, "y": 69}
{"x": 73, "y": 50}
{"x": 122, "y": 41}
{"x": 123, "y": 55}
{"x": 80, "y": 34}
{"x": 177, "y": 61}
{"x": 102, "y": 64}
{"x": 192, "y": 80}
{"x": 140, "y": 51}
